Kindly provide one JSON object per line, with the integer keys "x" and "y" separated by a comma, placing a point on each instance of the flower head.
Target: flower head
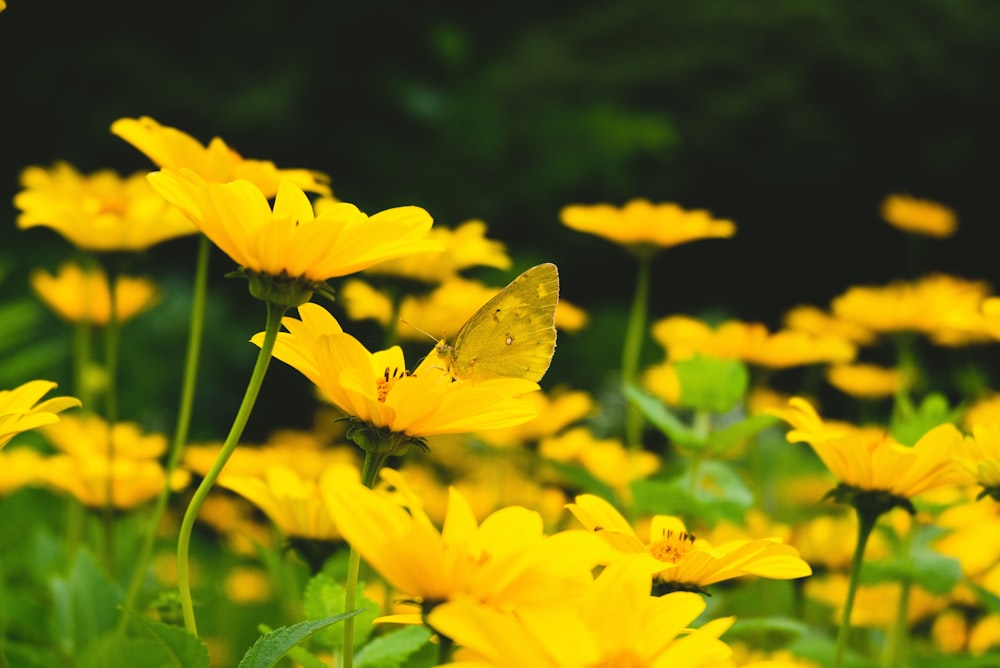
{"x": 21, "y": 411}
{"x": 377, "y": 389}
{"x": 617, "y": 623}
{"x": 290, "y": 241}
{"x": 980, "y": 457}
{"x": 867, "y": 381}
{"x": 98, "y": 212}
{"x": 82, "y": 295}
{"x": 171, "y": 148}
{"x": 640, "y": 224}
{"x": 678, "y": 559}
{"x": 919, "y": 216}
{"x": 506, "y": 562}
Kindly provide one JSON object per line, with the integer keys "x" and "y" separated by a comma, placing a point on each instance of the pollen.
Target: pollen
{"x": 672, "y": 547}
{"x": 385, "y": 382}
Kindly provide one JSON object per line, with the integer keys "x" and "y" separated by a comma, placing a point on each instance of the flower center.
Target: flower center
{"x": 623, "y": 659}
{"x": 388, "y": 379}
{"x": 672, "y": 547}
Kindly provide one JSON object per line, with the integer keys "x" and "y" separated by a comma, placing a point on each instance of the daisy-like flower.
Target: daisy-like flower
{"x": 76, "y": 294}
{"x": 751, "y": 342}
{"x": 680, "y": 561}
{"x": 21, "y": 409}
{"x": 98, "y": 212}
{"x": 461, "y": 248}
{"x": 645, "y": 226}
{"x": 171, "y": 148}
{"x": 980, "y": 457}
{"x": 294, "y": 503}
{"x": 945, "y": 308}
{"x": 875, "y": 462}
{"x": 377, "y": 390}
{"x": 616, "y": 624}
{"x": 867, "y": 381}
{"x": 606, "y": 459}
{"x": 289, "y": 242}
{"x": 506, "y": 562}
{"x": 919, "y": 216}
{"x": 814, "y": 320}
{"x": 556, "y": 410}
{"x": 83, "y": 467}
{"x": 985, "y": 411}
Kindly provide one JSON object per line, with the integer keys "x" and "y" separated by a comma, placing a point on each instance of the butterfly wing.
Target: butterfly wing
{"x": 513, "y": 335}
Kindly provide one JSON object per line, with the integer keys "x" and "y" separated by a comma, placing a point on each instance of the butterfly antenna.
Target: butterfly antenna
{"x": 425, "y": 333}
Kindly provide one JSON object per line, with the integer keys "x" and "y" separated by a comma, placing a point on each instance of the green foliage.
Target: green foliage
{"x": 395, "y": 649}
{"x": 270, "y": 648}
{"x": 711, "y": 384}
{"x": 910, "y": 422}
{"x": 711, "y": 492}
{"x": 325, "y": 597}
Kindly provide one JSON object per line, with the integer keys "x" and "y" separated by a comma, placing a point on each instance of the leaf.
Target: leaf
{"x": 723, "y": 439}
{"x": 324, "y": 597}
{"x": 657, "y": 413}
{"x": 270, "y": 648}
{"x": 711, "y": 384}
{"x": 909, "y": 423}
{"x": 392, "y": 649}
{"x": 748, "y": 627}
{"x": 717, "y": 493}
{"x": 86, "y": 604}
{"x": 182, "y": 648}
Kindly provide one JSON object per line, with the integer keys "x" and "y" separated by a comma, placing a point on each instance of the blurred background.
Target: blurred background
{"x": 792, "y": 118}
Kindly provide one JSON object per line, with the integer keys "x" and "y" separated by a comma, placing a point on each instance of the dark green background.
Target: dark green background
{"x": 792, "y": 118}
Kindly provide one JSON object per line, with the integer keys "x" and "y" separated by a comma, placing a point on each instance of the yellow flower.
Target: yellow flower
{"x": 683, "y": 337}
{"x": 234, "y": 518}
{"x": 171, "y": 148}
{"x": 294, "y": 503}
{"x": 506, "y": 562}
{"x": 21, "y": 411}
{"x": 678, "y": 559}
{"x": 821, "y": 541}
{"x": 663, "y": 381}
{"x": 876, "y": 462}
{"x": 247, "y": 585}
{"x": 919, "y": 216}
{"x": 302, "y": 452}
{"x": 813, "y": 320}
{"x": 376, "y": 388}
{"x": 83, "y": 467}
{"x": 973, "y": 537}
{"x": 809, "y": 427}
{"x": 607, "y": 459}
{"x": 866, "y": 381}
{"x": 20, "y": 467}
{"x": 986, "y": 411}
{"x": 980, "y": 457}
{"x": 616, "y": 624}
{"x": 556, "y": 410}
{"x": 464, "y": 247}
{"x": 943, "y": 307}
{"x": 361, "y": 301}
{"x": 290, "y": 241}
{"x": 642, "y": 224}
{"x": 875, "y": 605}
{"x": 100, "y": 212}
{"x": 82, "y": 295}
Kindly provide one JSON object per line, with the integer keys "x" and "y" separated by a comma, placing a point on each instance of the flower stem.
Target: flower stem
{"x": 188, "y": 385}
{"x": 111, "y": 350}
{"x": 369, "y": 474}
{"x": 894, "y": 655}
{"x": 274, "y": 313}
{"x": 866, "y": 522}
{"x": 631, "y": 350}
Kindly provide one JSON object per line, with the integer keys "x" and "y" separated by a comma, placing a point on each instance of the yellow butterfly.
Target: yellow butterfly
{"x": 513, "y": 335}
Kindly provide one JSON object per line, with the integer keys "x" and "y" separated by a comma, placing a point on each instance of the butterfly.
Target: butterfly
{"x": 513, "y": 335}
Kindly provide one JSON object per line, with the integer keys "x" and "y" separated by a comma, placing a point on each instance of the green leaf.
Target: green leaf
{"x": 86, "y": 604}
{"x": 657, "y": 413}
{"x": 392, "y": 649}
{"x": 934, "y": 572}
{"x": 324, "y": 597}
{"x": 910, "y": 422}
{"x": 723, "y": 439}
{"x": 751, "y": 627}
{"x": 577, "y": 477}
{"x": 711, "y": 384}
{"x": 177, "y": 645}
{"x": 716, "y": 493}
{"x": 270, "y": 648}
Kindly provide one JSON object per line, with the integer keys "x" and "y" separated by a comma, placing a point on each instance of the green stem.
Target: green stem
{"x": 369, "y": 474}
{"x": 635, "y": 333}
{"x": 866, "y": 522}
{"x": 112, "y": 348}
{"x": 896, "y": 649}
{"x": 274, "y": 313}
{"x": 180, "y": 430}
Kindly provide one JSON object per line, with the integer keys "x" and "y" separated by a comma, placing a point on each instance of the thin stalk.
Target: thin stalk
{"x": 896, "y": 650}
{"x": 369, "y": 474}
{"x": 112, "y": 348}
{"x": 635, "y": 333}
{"x": 866, "y": 522}
{"x": 188, "y": 385}
{"x": 274, "y": 313}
